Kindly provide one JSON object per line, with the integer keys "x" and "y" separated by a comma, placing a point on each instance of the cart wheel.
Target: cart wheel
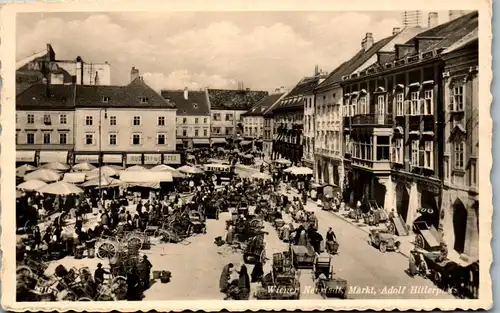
{"x": 419, "y": 241}
{"x": 135, "y": 243}
{"x": 107, "y": 250}
{"x": 391, "y": 228}
{"x": 24, "y": 271}
{"x": 382, "y": 247}
{"x": 119, "y": 287}
{"x": 85, "y": 299}
{"x": 27, "y": 226}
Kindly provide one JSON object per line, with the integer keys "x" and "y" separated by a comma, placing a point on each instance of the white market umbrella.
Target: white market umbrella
{"x": 260, "y": 175}
{"x": 283, "y": 161}
{"x": 189, "y": 170}
{"x": 136, "y": 168}
{"x": 106, "y": 181}
{"x": 61, "y": 188}
{"x": 57, "y": 166}
{"x": 43, "y": 174}
{"x": 25, "y": 168}
{"x": 302, "y": 171}
{"x": 290, "y": 169}
{"x": 105, "y": 170}
{"x": 82, "y": 167}
{"x": 162, "y": 167}
{"x": 31, "y": 185}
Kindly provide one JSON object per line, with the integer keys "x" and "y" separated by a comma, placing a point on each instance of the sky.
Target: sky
{"x": 173, "y": 50}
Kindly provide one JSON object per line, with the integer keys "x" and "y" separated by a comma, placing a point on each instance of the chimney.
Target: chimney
{"x": 316, "y": 71}
{"x": 433, "y": 20}
{"x": 134, "y": 73}
{"x": 396, "y": 30}
{"x": 79, "y": 71}
{"x": 455, "y": 14}
{"x": 367, "y": 42}
{"x": 96, "y": 80}
{"x": 186, "y": 93}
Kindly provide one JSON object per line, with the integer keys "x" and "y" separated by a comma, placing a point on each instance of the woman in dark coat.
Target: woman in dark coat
{"x": 257, "y": 272}
{"x": 244, "y": 283}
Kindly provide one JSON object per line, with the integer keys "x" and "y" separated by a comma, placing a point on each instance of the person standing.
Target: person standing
{"x": 224, "y": 277}
{"x": 244, "y": 283}
{"x": 145, "y": 271}
{"x": 99, "y": 275}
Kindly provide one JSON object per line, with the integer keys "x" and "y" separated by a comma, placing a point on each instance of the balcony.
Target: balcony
{"x": 374, "y": 166}
{"x": 372, "y": 119}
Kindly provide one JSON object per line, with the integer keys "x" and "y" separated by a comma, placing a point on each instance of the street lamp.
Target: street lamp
{"x": 99, "y": 156}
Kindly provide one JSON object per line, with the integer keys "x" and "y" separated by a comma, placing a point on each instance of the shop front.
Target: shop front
{"x": 53, "y": 156}
{"x": 259, "y": 144}
{"x": 172, "y": 159}
{"x": 133, "y": 159}
{"x": 218, "y": 141}
{"x": 152, "y": 159}
{"x": 87, "y": 158}
{"x": 179, "y": 145}
{"x": 112, "y": 159}
{"x": 26, "y": 157}
{"x": 201, "y": 143}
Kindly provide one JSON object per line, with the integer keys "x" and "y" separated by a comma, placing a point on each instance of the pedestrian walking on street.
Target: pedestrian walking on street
{"x": 224, "y": 277}
{"x": 99, "y": 275}
{"x": 145, "y": 272}
{"x": 244, "y": 283}
{"x": 257, "y": 272}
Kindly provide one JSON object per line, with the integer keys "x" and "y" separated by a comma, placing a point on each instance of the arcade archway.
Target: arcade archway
{"x": 459, "y": 225}
{"x": 402, "y": 200}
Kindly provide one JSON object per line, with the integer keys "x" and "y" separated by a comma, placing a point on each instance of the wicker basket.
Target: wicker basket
{"x": 165, "y": 280}
{"x": 156, "y": 274}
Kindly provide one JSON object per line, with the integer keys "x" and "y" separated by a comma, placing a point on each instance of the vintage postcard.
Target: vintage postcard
{"x": 199, "y": 154}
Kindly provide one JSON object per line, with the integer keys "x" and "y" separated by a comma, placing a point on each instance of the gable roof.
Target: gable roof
{"x": 196, "y": 104}
{"x": 90, "y": 96}
{"x": 224, "y": 99}
{"x": 352, "y": 64}
{"x": 472, "y": 37}
{"x": 264, "y": 105}
{"x": 293, "y": 98}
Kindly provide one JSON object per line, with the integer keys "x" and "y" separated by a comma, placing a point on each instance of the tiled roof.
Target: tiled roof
{"x": 356, "y": 61}
{"x": 63, "y": 96}
{"x": 36, "y": 97}
{"x": 265, "y": 104}
{"x": 222, "y": 99}
{"x": 196, "y": 104}
{"x": 290, "y": 101}
{"x": 464, "y": 42}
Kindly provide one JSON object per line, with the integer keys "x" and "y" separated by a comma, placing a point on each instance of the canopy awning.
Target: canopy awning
{"x": 178, "y": 142}
{"x": 112, "y": 158}
{"x": 246, "y": 142}
{"x": 75, "y": 178}
{"x": 25, "y": 156}
{"x": 218, "y": 140}
{"x": 87, "y": 158}
{"x": 201, "y": 141}
{"x": 145, "y": 177}
{"x": 53, "y": 156}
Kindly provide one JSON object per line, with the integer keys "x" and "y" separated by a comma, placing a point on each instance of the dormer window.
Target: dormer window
{"x": 195, "y": 105}
{"x": 105, "y": 99}
{"x": 144, "y": 100}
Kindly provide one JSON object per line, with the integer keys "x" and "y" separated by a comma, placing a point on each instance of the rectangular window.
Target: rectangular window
{"x": 353, "y": 108}
{"x": 89, "y": 139}
{"x": 161, "y": 139}
{"x": 63, "y": 119}
{"x": 459, "y": 155}
{"x": 429, "y": 155}
{"x": 196, "y": 132}
{"x": 184, "y": 120}
{"x": 196, "y": 120}
{"x": 30, "y": 138}
{"x": 229, "y": 130}
{"x": 458, "y": 98}
{"x": 216, "y": 117}
{"x": 400, "y": 109}
{"x": 112, "y": 120}
{"x": 397, "y": 152}
{"x": 184, "y": 132}
{"x": 362, "y": 107}
{"x": 414, "y": 108}
{"x": 383, "y": 147}
{"x": 161, "y": 121}
{"x": 46, "y": 138}
{"x": 89, "y": 120}
{"x": 229, "y": 117}
{"x": 136, "y": 139}
{"x": 204, "y": 120}
{"x": 112, "y": 139}
{"x": 414, "y": 153}
{"x": 137, "y": 120}
{"x": 46, "y": 119}
{"x": 381, "y": 109}
{"x": 31, "y": 119}
{"x": 63, "y": 139}
{"x": 205, "y": 132}
{"x": 429, "y": 102}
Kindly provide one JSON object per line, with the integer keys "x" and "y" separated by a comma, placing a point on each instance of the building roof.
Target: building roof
{"x": 356, "y": 61}
{"x": 196, "y": 104}
{"x": 91, "y": 96}
{"x": 472, "y": 37}
{"x": 264, "y": 105}
{"x": 222, "y": 99}
{"x": 292, "y": 99}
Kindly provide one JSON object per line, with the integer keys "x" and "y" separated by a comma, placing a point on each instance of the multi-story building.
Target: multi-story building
{"x": 45, "y": 124}
{"x": 126, "y": 125}
{"x": 193, "y": 117}
{"x": 329, "y": 122}
{"x": 253, "y": 120}
{"x": 268, "y": 129}
{"x": 460, "y": 207}
{"x": 44, "y": 66}
{"x": 226, "y": 108}
{"x": 288, "y": 118}
{"x": 396, "y": 118}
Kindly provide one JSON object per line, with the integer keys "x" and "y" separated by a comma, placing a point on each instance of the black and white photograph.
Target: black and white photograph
{"x": 251, "y": 155}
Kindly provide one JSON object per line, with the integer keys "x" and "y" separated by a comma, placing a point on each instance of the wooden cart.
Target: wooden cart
{"x": 327, "y": 285}
{"x": 255, "y": 251}
{"x": 302, "y": 256}
{"x": 384, "y": 240}
{"x": 427, "y": 237}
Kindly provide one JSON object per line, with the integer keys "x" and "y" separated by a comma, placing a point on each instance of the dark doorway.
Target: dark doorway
{"x": 320, "y": 171}
{"x": 326, "y": 174}
{"x": 459, "y": 225}
{"x": 380, "y": 193}
{"x": 402, "y": 200}
{"x": 429, "y": 210}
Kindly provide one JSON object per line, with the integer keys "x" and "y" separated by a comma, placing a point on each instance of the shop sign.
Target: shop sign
{"x": 86, "y": 158}
{"x": 112, "y": 158}
{"x": 39, "y": 65}
{"x": 152, "y": 159}
{"x": 53, "y": 156}
{"x": 134, "y": 158}
{"x": 171, "y": 158}
{"x": 25, "y": 156}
